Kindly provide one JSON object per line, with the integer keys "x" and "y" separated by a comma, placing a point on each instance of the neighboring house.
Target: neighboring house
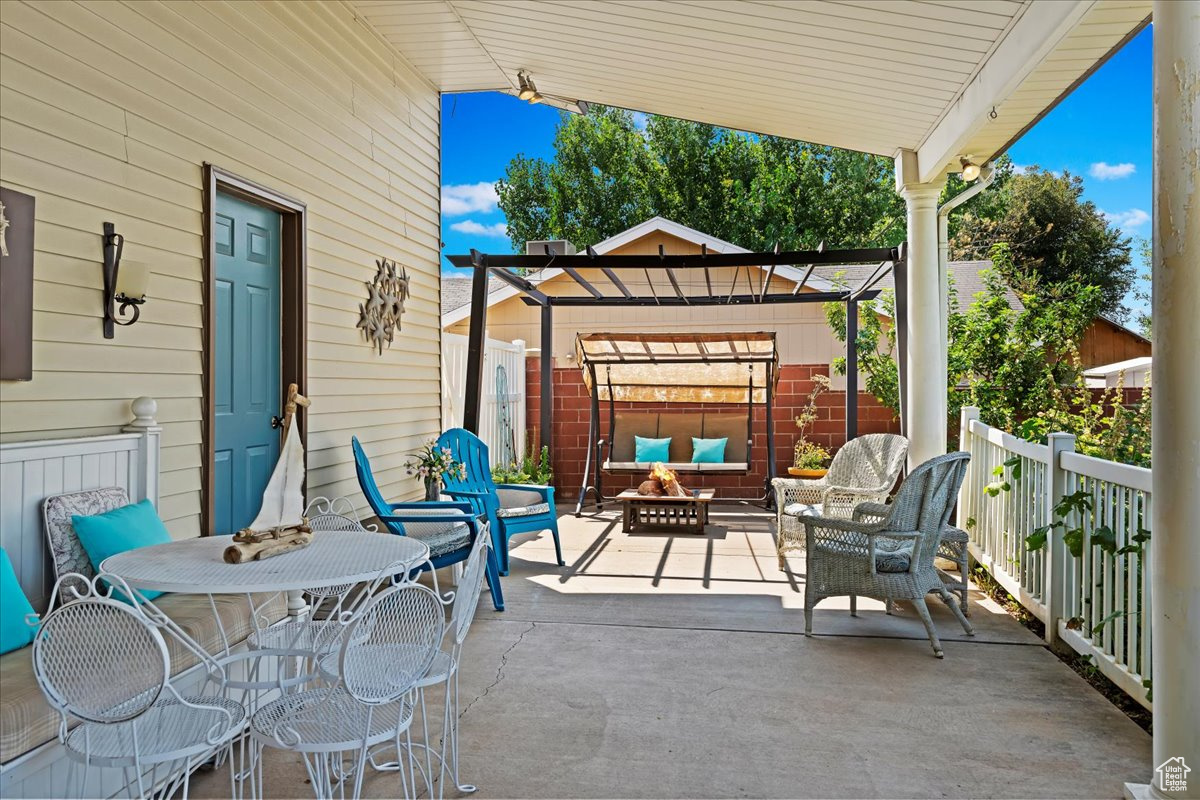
{"x": 1133, "y": 373}
{"x": 806, "y": 343}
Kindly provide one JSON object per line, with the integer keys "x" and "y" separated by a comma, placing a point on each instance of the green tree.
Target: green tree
{"x": 757, "y": 191}
{"x": 1051, "y": 232}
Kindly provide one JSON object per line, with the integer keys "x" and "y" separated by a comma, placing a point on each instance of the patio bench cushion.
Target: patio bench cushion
{"x": 27, "y": 720}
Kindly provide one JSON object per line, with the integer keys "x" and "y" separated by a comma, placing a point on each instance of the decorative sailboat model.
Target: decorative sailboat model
{"x": 280, "y": 526}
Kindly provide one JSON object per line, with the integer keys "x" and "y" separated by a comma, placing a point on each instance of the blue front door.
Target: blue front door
{"x": 247, "y": 359}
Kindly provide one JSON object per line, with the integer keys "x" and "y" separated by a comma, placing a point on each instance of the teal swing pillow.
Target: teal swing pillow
{"x": 125, "y": 528}
{"x": 709, "y": 451}
{"x": 15, "y": 632}
{"x": 647, "y": 450}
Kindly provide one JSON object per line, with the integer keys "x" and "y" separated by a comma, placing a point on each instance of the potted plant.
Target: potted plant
{"x": 809, "y": 459}
{"x": 430, "y": 464}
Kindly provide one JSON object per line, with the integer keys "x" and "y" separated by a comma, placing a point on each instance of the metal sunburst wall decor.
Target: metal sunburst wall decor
{"x": 379, "y": 317}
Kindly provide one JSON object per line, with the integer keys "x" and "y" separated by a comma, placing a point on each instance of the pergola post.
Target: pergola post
{"x": 924, "y": 403}
{"x": 851, "y": 369}
{"x": 546, "y": 414}
{"x": 1175, "y": 544}
{"x": 475, "y": 348}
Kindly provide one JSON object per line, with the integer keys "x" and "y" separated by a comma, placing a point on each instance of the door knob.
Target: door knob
{"x": 276, "y": 421}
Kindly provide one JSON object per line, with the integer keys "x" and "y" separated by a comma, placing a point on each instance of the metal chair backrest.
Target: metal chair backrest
{"x": 466, "y": 596}
{"x": 469, "y": 450}
{"x": 406, "y": 621}
{"x": 869, "y": 460}
{"x": 100, "y": 660}
{"x": 324, "y": 514}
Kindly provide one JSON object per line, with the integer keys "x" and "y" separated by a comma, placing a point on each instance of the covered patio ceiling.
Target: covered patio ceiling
{"x": 943, "y": 79}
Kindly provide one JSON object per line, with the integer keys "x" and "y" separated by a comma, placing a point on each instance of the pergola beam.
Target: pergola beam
{"x": 678, "y": 262}
{"x": 699, "y": 300}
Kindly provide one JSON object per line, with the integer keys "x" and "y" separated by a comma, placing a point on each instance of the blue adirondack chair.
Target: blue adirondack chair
{"x": 510, "y": 508}
{"x": 449, "y": 528}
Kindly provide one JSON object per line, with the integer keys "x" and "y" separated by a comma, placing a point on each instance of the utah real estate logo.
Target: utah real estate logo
{"x": 1172, "y": 775}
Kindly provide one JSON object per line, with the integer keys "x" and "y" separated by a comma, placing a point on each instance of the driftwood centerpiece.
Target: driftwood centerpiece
{"x": 662, "y": 482}
{"x": 280, "y": 526}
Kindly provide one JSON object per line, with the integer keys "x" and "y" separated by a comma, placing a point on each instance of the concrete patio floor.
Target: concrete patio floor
{"x": 657, "y": 665}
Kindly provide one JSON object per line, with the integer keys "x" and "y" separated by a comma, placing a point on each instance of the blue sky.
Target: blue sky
{"x": 1102, "y": 131}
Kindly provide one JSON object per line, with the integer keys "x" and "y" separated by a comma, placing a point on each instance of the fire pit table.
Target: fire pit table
{"x": 642, "y": 513}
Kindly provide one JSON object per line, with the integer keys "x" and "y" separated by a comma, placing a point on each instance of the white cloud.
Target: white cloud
{"x": 1111, "y": 172}
{"x": 473, "y": 228}
{"x": 1133, "y": 218}
{"x": 468, "y": 198}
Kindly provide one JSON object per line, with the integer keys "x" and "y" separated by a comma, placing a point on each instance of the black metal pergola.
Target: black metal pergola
{"x": 511, "y": 269}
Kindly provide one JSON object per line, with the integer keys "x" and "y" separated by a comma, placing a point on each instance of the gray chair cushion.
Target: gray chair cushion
{"x": 891, "y": 555}
{"x": 524, "y": 511}
{"x": 802, "y": 509}
{"x": 66, "y": 552}
{"x": 441, "y": 537}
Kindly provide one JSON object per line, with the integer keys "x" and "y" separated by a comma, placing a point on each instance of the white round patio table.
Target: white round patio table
{"x": 196, "y": 566}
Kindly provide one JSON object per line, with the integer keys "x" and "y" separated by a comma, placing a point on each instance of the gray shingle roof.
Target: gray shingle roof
{"x": 967, "y": 275}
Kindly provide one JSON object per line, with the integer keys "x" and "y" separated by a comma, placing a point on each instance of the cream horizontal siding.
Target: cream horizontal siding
{"x": 108, "y": 111}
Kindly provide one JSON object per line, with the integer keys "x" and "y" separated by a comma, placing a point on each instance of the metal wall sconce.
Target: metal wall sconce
{"x": 124, "y": 283}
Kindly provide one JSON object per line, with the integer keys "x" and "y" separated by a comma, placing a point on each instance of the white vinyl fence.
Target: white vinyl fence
{"x": 502, "y": 417}
{"x": 1097, "y": 603}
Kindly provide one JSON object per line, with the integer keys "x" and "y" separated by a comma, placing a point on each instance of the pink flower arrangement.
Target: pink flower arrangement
{"x": 430, "y": 461}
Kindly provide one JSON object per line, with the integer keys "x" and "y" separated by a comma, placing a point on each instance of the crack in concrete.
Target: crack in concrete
{"x": 499, "y": 671}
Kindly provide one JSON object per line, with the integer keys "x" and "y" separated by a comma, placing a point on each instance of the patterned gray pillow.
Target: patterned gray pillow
{"x": 66, "y": 551}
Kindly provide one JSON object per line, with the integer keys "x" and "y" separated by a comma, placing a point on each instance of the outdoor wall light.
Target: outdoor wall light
{"x": 124, "y": 283}
{"x": 970, "y": 170}
{"x": 527, "y": 91}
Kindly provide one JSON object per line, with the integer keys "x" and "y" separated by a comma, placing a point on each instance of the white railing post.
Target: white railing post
{"x": 144, "y": 422}
{"x": 966, "y": 414}
{"x": 1057, "y": 561}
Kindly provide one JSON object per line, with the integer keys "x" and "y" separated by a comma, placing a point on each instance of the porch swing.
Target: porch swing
{"x": 729, "y": 371}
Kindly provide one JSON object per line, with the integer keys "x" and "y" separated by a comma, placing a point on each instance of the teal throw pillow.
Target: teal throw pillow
{"x": 645, "y": 449}
{"x": 15, "y": 632}
{"x": 709, "y": 451}
{"x": 125, "y": 528}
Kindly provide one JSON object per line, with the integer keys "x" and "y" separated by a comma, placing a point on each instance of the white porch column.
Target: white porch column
{"x": 924, "y": 402}
{"x": 1175, "y": 544}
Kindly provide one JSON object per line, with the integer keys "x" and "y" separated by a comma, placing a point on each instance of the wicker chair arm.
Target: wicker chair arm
{"x": 838, "y": 525}
{"x": 877, "y": 510}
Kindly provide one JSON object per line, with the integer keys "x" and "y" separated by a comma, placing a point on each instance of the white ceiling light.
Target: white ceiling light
{"x": 970, "y": 170}
{"x": 527, "y": 91}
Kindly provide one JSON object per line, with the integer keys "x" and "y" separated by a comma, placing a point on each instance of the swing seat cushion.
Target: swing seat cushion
{"x": 681, "y": 428}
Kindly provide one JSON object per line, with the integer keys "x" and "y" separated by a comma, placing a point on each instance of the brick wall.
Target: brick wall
{"x": 572, "y": 412}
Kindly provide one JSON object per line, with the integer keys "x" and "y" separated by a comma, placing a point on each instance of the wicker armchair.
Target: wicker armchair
{"x": 864, "y": 470}
{"x": 890, "y": 558}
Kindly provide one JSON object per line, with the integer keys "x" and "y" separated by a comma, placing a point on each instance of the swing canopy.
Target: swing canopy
{"x": 710, "y": 368}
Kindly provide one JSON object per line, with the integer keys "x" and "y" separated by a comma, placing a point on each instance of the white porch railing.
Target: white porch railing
{"x": 1097, "y": 603}
{"x": 498, "y": 436}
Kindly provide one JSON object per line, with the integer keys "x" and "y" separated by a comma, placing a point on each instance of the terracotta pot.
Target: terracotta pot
{"x": 796, "y": 472}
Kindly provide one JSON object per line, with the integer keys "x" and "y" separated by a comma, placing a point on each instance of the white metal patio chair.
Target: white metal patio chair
{"x": 864, "y": 470}
{"x": 371, "y": 702}
{"x": 105, "y": 663}
{"x": 887, "y": 551}
{"x": 444, "y": 669}
{"x": 311, "y": 634}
